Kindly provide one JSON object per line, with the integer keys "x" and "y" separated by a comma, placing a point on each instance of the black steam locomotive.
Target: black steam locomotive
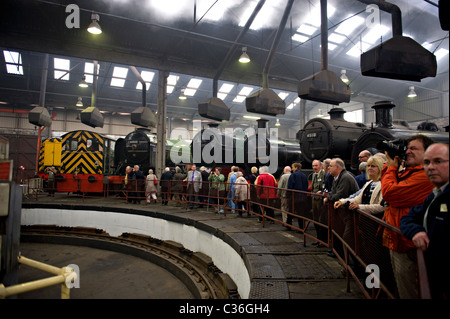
{"x": 211, "y": 147}
{"x": 327, "y": 138}
{"x": 139, "y": 148}
{"x": 336, "y": 137}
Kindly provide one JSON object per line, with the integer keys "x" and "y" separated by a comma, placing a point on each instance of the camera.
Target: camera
{"x": 346, "y": 204}
{"x": 394, "y": 148}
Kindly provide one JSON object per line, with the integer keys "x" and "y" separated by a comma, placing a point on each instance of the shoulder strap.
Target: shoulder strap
{"x": 409, "y": 173}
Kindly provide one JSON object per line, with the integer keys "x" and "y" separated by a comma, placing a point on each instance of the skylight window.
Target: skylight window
{"x": 300, "y": 38}
{"x": 358, "y": 49}
{"x": 349, "y": 25}
{"x": 119, "y": 76}
{"x": 375, "y": 34}
{"x": 147, "y": 76}
{"x": 243, "y": 93}
{"x": 306, "y": 29}
{"x": 294, "y": 103}
{"x": 192, "y": 87}
{"x": 13, "y": 62}
{"x": 283, "y": 95}
{"x": 214, "y": 13}
{"x": 224, "y": 90}
{"x": 62, "y": 67}
{"x": 331, "y": 46}
{"x": 336, "y": 38}
{"x": 315, "y": 18}
{"x": 171, "y": 82}
{"x": 440, "y": 53}
{"x": 261, "y": 20}
{"x": 89, "y": 71}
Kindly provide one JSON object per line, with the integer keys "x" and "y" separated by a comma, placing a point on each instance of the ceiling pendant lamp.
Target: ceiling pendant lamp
{"x": 94, "y": 27}
{"x": 412, "y": 93}
{"x": 244, "y": 56}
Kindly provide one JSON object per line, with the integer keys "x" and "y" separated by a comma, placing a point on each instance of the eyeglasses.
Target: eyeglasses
{"x": 435, "y": 162}
{"x": 363, "y": 156}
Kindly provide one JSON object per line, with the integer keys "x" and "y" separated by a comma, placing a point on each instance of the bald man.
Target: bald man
{"x": 427, "y": 225}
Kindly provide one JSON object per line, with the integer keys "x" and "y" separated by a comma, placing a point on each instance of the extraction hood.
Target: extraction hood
{"x": 39, "y": 116}
{"x": 324, "y": 86}
{"x": 265, "y": 101}
{"x": 215, "y": 109}
{"x": 399, "y": 58}
{"x": 91, "y": 116}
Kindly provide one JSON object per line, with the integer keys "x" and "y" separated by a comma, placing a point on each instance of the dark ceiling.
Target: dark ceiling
{"x": 188, "y": 44}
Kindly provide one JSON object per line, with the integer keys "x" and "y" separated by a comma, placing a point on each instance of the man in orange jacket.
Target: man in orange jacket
{"x": 402, "y": 189}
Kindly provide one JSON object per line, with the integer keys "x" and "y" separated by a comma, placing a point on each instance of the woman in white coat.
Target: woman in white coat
{"x": 150, "y": 186}
{"x": 241, "y": 193}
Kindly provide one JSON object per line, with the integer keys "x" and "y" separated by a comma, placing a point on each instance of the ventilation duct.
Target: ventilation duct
{"x": 91, "y": 116}
{"x": 324, "y": 86}
{"x": 215, "y": 109}
{"x": 142, "y": 116}
{"x": 39, "y": 116}
{"x": 266, "y": 101}
{"x": 399, "y": 58}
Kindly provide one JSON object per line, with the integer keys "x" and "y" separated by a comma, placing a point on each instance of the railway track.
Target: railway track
{"x": 195, "y": 269}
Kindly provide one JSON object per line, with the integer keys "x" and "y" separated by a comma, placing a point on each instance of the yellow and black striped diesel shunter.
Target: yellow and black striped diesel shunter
{"x": 82, "y": 159}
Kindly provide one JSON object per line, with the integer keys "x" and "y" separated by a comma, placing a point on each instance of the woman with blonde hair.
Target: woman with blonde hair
{"x": 369, "y": 198}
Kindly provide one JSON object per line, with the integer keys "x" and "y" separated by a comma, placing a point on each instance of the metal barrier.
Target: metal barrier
{"x": 353, "y": 236}
{"x": 62, "y": 277}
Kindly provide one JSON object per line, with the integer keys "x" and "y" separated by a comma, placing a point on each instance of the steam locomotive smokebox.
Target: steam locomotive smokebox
{"x": 265, "y": 101}
{"x": 399, "y": 58}
{"x": 39, "y": 116}
{"x": 91, "y": 116}
{"x": 324, "y": 86}
{"x": 143, "y": 116}
{"x": 215, "y": 109}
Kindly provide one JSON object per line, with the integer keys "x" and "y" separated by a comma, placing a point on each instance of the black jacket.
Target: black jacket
{"x": 165, "y": 178}
{"x": 437, "y": 223}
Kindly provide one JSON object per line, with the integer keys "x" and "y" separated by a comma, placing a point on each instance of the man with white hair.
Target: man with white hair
{"x": 282, "y": 185}
{"x": 344, "y": 184}
{"x": 164, "y": 182}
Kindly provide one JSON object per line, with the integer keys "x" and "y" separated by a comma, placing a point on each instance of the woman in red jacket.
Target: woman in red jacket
{"x": 266, "y": 188}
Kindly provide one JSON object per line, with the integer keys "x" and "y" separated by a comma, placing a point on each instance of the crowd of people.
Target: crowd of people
{"x": 409, "y": 193}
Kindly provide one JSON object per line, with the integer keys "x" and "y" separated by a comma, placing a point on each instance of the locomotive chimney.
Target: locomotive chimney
{"x": 383, "y": 113}
{"x": 337, "y": 113}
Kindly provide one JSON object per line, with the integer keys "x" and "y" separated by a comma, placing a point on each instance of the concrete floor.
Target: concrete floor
{"x": 280, "y": 266}
{"x": 103, "y": 274}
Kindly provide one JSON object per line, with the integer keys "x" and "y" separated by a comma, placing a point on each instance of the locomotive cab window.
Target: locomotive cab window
{"x": 73, "y": 145}
{"x": 92, "y": 145}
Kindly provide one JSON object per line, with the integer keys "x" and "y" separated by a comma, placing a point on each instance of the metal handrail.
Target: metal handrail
{"x": 62, "y": 276}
